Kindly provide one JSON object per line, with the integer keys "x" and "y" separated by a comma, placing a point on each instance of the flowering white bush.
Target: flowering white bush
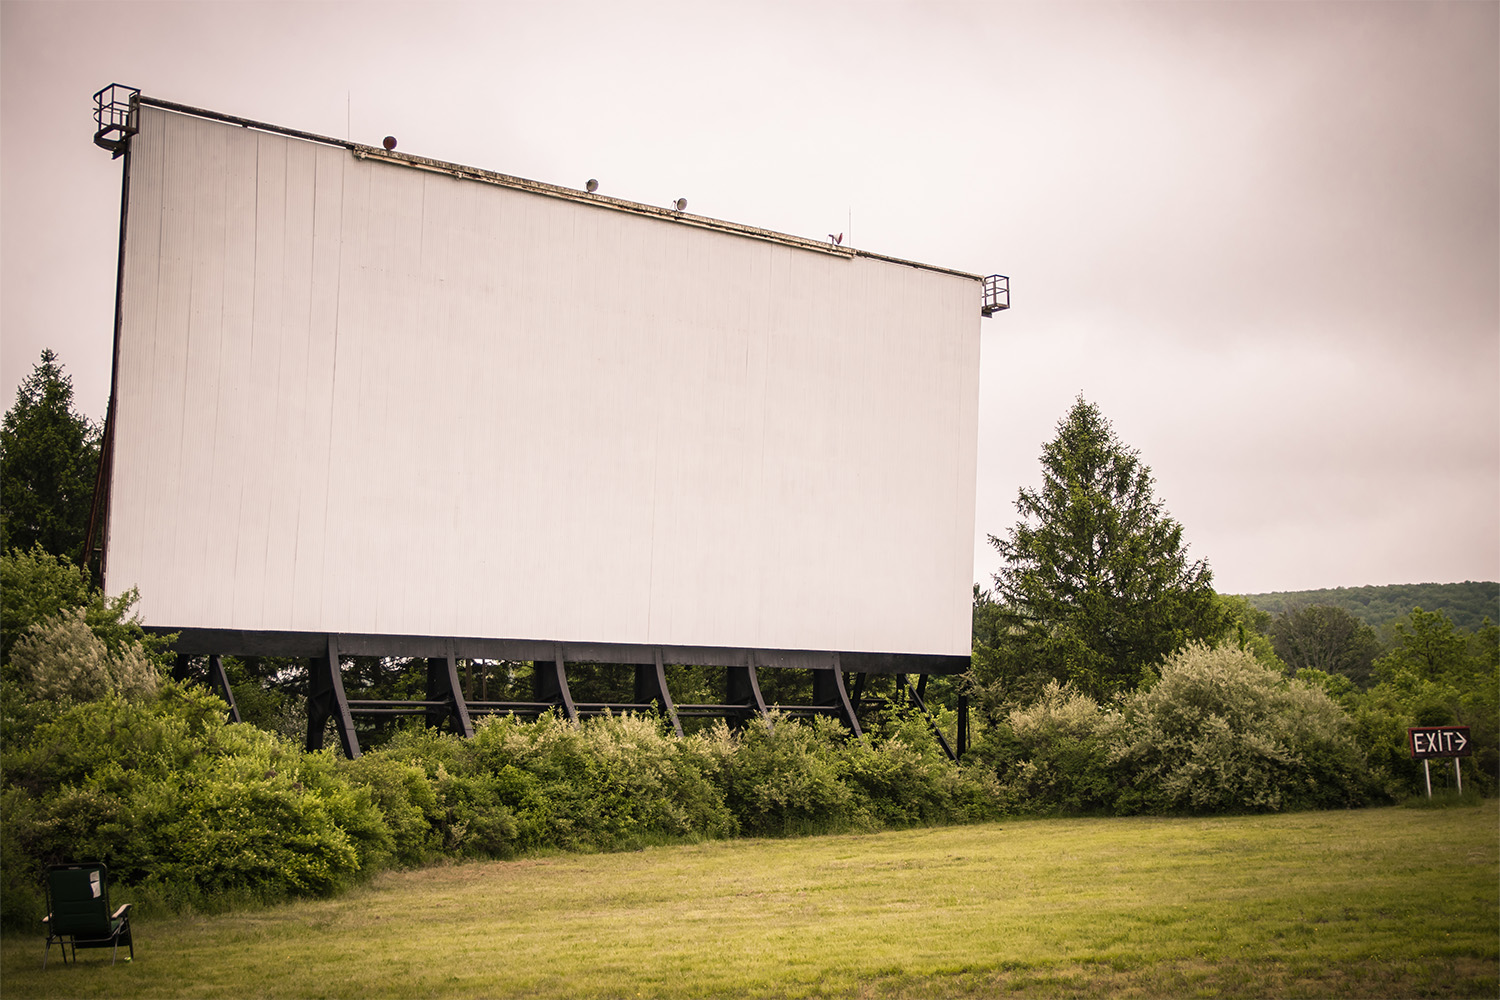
{"x": 1219, "y": 732}
{"x": 64, "y": 660}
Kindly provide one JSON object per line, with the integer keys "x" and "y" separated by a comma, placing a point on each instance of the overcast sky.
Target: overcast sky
{"x": 1263, "y": 238}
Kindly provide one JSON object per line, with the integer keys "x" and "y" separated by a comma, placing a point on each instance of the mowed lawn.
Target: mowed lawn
{"x": 1376, "y": 903}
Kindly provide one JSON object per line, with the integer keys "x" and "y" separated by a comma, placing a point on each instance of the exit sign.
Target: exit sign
{"x": 1440, "y": 741}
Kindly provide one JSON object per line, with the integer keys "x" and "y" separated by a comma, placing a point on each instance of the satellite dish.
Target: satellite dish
{"x": 389, "y": 142}
{"x": 591, "y": 186}
{"x": 681, "y": 204}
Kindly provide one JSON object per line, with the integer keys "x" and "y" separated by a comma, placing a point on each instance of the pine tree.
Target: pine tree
{"x": 48, "y": 459}
{"x": 1096, "y": 586}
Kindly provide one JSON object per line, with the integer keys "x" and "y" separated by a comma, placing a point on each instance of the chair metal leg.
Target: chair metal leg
{"x": 46, "y": 951}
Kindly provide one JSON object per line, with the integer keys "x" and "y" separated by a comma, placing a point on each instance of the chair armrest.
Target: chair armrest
{"x": 121, "y": 911}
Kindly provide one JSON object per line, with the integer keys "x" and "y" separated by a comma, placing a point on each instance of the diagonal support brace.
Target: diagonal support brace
{"x": 325, "y": 698}
{"x": 443, "y": 685}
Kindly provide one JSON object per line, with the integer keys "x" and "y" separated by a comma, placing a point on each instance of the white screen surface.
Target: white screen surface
{"x": 354, "y": 396}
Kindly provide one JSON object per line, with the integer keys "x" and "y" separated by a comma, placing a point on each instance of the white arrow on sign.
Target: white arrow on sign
{"x": 1460, "y": 738}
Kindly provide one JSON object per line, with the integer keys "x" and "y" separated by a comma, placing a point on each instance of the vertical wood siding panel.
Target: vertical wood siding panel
{"x": 127, "y": 534}
{"x": 257, "y": 416}
{"x": 163, "y": 440}
{"x": 346, "y": 574}
{"x": 232, "y": 427}
{"x": 966, "y": 471}
{"x": 308, "y": 578}
{"x": 197, "y": 522}
{"x": 286, "y": 419}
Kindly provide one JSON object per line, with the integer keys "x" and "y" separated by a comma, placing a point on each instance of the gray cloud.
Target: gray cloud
{"x": 1263, "y": 237}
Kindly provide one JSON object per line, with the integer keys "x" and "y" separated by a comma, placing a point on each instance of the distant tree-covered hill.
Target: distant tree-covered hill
{"x": 1467, "y": 604}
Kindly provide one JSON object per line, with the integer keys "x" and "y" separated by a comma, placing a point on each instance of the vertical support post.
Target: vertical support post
{"x": 436, "y": 690}
{"x": 742, "y": 687}
{"x": 550, "y": 683}
{"x": 461, "y": 723}
{"x": 651, "y": 685}
{"x": 1459, "y": 774}
{"x": 220, "y": 680}
{"x": 180, "y": 668}
{"x": 562, "y": 685}
{"x": 828, "y": 691}
{"x": 963, "y": 725}
{"x": 442, "y": 685}
{"x": 1427, "y": 772}
{"x": 325, "y": 697}
{"x": 859, "y": 690}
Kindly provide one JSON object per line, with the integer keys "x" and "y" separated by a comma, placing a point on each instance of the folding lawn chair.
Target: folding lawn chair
{"x": 78, "y": 912}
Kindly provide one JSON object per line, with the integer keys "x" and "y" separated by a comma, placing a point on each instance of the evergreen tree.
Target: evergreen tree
{"x": 1096, "y": 586}
{"x": 48, "y": 459}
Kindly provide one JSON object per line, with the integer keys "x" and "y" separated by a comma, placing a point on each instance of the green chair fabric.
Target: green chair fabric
{"x": 78, "y": 912}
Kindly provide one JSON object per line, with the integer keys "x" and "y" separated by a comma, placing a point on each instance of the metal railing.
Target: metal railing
{"x": 114, "y": 117}
{"x": 996, "y": 294}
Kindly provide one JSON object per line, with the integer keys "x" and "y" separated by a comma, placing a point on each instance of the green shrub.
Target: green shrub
{"x": 1055, "y": 755}
{"x": 607, "y": 782}
{"x": 37, "y": 586}
{"x": 902, "y": 776}
{"x": 780, "y": 777}
{"x": 1220, "y": 732}
{"x": 181, "y": 805}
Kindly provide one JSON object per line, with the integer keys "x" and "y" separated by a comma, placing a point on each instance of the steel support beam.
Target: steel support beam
{"x": 651, "y": 685}
{"x": 742, "y": 687}
{"x": 325, "y": 698}
{"x": 828, "y": 691}
{"x": 443, "y": 685}
{"x": 550, "y": 683}
{"x": 917, "y": 700}
{"x": 220, "y": 680}
{"x": 217, "y": 679}
{"x": 963, "y": 726}
{"x": 237, "y": 642}
{"x": 859, "y": 690}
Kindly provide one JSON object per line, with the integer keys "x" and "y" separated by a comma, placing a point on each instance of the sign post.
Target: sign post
{"x": 1428, "y": 742}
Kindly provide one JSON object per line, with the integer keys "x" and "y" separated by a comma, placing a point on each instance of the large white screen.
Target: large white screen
{"x": 355, "y": 396}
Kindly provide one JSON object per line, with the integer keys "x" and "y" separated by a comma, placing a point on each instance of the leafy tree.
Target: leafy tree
{"x": 1096, "y": 582}
{"x": 1426, "y": 648}
{"x": 48, "y": 459}
{"x": 1468, "y": 603}
{"x": 1436, "y": 675}
{"x": 1248, "y": 628}
{"x": 1326, "y": 638}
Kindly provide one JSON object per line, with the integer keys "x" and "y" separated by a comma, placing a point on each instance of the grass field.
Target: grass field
{"x": 1374, "y": 903}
